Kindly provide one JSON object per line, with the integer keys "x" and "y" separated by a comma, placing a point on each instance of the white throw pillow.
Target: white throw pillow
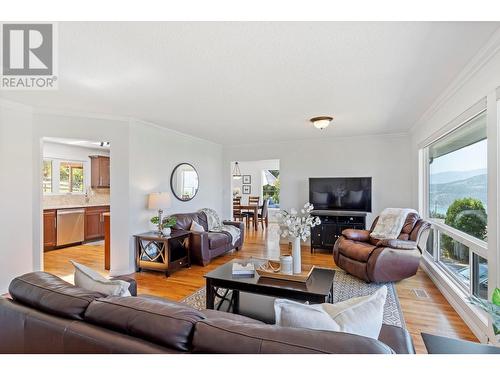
{"x": 360, "y": 315}
{"x": 294, "y": 314}
{"x": 197, "y": 228}
{"x": 89, "y": 279}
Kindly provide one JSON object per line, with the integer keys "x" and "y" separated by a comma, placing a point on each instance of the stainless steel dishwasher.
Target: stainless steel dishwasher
{"x": 70, "y": 226}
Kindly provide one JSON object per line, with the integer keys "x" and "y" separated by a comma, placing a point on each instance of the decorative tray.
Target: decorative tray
{"x": 271, "y": 269}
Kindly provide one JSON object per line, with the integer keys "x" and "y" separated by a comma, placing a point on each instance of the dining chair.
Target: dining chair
{"x": 264, "y": 213}
{"x": 253, "y": 200}
{"x": 237, "y": 214}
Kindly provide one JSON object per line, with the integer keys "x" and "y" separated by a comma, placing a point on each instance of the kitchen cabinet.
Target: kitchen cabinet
{"x": 49, "y": 229}
{"x": 94, "y": 222}
{"x": 99, "y": 170}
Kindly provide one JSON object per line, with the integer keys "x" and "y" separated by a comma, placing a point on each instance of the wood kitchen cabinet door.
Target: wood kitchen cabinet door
{"x": 104, "y": 171}
{"x": 100, "y": 176}
{"x": 93, "y": 224}
{"x": 49, "y": 229}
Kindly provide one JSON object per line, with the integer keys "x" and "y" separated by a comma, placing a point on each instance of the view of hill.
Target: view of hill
{"x": 444, "y": 177}
{"x": 443, "y": 194}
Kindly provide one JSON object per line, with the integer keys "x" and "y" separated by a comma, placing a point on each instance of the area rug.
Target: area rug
{"x": 345, "y": 286}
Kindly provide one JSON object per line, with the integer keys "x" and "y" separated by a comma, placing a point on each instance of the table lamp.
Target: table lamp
{"x": 159, "y": 201}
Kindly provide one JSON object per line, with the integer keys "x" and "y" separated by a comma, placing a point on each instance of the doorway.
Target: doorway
{"x": 253, "y": 181}
{"x": 76, "y": 187}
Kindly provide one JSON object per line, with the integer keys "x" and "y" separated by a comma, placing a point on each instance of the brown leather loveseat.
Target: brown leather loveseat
{"x": 48, "y": 315}
{"x": 375, "y": 260}
{"x": 206, "y": 245}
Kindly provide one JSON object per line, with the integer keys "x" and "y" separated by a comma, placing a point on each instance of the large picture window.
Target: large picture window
{"x": 457, "y": 205}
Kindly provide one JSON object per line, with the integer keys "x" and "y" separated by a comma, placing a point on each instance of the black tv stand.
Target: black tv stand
{"x": 332, "y": 224}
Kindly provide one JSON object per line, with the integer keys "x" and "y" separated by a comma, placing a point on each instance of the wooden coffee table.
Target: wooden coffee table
{"x": 318, "y": 289}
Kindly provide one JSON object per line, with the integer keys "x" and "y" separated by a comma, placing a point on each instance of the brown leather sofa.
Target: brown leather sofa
{"x": 207, "y": 245}
{"x": 382, "y": 260}
{"x": 48, "y": 315}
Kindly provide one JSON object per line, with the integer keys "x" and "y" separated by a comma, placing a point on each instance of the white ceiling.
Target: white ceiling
{"x": 260, "y": 82}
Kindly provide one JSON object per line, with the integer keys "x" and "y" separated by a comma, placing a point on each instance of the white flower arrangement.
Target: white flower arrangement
{"x": 293, "y": 224}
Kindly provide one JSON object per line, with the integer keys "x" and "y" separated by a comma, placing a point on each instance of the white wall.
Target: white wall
{"x": 385, "y": 158}
{"x": 154, "y": 154}
{"x": 16, "y": 179}
{"x": 479, "y": 80}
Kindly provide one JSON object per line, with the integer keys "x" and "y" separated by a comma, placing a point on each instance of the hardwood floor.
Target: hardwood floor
{"x": 433, "y": 314}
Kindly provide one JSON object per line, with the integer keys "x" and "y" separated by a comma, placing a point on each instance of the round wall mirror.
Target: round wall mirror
{"x": 184, "y": 182}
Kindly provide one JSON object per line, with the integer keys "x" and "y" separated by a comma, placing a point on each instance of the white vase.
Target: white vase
{"x": 297, "y": 261}
{"x": 166, "y": 231}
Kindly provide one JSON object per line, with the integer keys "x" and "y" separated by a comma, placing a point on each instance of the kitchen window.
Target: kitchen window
{"x": 70, "y": 177}
{"x": 63, "y": 176}
{"x": 47, "y": 176}
{"x": 456, "y": 203}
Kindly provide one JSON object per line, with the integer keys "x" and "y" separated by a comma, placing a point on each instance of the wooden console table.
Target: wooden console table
{"x": 332, "y": 224}
{"x": 162, "y": 253}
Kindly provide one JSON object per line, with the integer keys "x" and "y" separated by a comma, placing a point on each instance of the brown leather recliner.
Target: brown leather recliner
{"x": 206, "y": 245}
{"x": 378, "y": 261}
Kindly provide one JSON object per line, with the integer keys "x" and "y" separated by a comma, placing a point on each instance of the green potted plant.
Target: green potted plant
{"x": 166, "y": 225}
{"x": 492, "y": 308}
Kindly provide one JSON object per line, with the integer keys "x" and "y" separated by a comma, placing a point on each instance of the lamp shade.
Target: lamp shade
{"x": 158, "y": 201}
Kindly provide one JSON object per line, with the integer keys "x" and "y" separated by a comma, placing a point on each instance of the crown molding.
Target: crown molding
{"x": 485, "y": 54}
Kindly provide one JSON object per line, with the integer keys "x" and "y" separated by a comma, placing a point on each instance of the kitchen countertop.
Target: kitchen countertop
{"x": 67, "y": 206}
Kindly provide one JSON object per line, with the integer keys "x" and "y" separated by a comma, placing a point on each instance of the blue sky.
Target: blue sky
{"x": 466, "y": 159}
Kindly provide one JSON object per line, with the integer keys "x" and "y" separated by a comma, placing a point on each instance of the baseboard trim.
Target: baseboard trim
{"x": 456, "y": 300}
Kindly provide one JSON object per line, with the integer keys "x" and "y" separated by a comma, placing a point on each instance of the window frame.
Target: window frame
{"x": 51, "y": 162}
{"x": 71, "y": 177}
{"x": 475, "y": 245}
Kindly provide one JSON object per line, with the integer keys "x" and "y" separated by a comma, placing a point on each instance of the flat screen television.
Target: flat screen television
{"x": 341, "y": 193}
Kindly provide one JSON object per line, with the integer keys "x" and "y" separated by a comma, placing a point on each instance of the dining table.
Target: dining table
{"x": 252, "y": 208}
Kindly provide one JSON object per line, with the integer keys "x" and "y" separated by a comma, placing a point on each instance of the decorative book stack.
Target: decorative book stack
{"x": 243, "y": 269}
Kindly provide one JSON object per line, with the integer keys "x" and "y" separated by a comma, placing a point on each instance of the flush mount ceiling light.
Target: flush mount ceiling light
{"x": 236, "y": 171}
{"x": 321, "y": 122}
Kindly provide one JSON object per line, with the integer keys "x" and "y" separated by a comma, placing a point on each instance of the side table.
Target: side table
{"x": 162, "y": 253}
